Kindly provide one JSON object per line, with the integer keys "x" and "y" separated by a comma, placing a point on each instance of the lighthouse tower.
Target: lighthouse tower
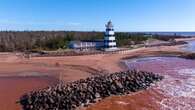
{"x": 109, "y": 38}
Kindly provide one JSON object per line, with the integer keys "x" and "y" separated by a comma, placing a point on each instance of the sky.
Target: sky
{"x": 92, "y": 15}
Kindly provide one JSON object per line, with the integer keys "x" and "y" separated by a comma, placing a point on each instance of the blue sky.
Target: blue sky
{"x": 91, "y": 15}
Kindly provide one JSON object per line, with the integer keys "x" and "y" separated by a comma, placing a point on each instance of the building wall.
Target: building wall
{"x": 86, "y": 45}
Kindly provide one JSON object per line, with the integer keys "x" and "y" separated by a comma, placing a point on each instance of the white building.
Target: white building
{"x": 108, "y": 43}
{"x": 109, "y": 38}
{"x": 82, "y": 45}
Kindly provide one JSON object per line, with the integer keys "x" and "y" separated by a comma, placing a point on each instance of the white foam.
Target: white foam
{"x": 186, "y": 72}
{"x": 175, "y": 88}
{"x": 175, "y": 103}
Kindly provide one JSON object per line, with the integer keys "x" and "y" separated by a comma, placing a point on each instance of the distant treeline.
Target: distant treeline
{"x": 53, "y": 40}
{"x": 42, "y": 40}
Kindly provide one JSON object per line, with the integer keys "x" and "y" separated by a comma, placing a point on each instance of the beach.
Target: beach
{"x": 19, "y": 75}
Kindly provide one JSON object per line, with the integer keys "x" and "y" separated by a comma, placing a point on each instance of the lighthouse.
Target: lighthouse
{"x": 109, "y": 38}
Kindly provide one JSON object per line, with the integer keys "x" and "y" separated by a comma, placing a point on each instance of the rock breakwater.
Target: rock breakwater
{"x": 69, "y": 96}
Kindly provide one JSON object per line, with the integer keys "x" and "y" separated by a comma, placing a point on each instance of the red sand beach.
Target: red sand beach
{"x": 18, "y": 76}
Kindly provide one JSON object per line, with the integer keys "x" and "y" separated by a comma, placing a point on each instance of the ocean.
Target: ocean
{"x": 190, "y": 47}
{"x": 172, "y": 33}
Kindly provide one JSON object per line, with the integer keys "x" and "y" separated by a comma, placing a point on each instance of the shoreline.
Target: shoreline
{"x": 89, "y": 91}
{"x": 70, "y": 68}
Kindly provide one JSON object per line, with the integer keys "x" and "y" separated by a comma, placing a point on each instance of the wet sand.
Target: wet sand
{"x": 11, "y": 88}
{"x": 68, "y": 69}
{"x": 175, "y": 92}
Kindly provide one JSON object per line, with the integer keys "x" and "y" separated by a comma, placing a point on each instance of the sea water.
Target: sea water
{"x": 190, "y": 46}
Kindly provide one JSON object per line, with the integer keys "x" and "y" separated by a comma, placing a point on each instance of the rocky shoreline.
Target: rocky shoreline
{"x": 69, "y": 96}
{"x": 190, "y": 56}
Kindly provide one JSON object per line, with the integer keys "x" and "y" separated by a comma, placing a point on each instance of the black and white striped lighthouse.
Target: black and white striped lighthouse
{"x": 109, "y": 38}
